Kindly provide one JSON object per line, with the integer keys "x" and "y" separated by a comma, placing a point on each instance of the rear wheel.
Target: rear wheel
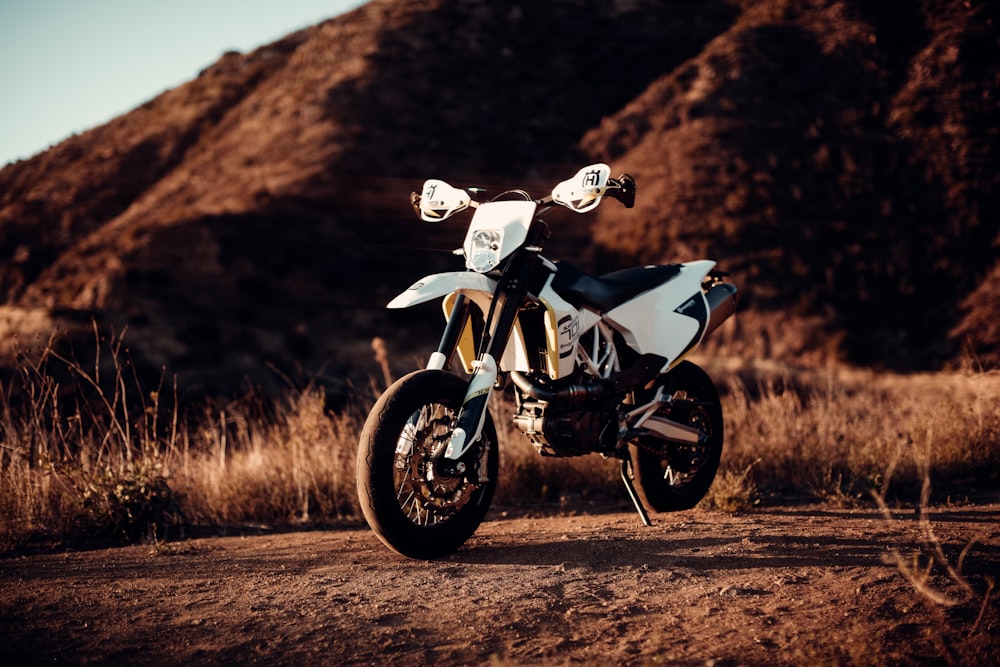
{"x": 416, "y": 507}
{"x": 672, "y": 476}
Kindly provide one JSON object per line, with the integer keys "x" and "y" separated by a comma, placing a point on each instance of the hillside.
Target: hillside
{"x": 843, "y": 160}
{"x": 839, "y": 160}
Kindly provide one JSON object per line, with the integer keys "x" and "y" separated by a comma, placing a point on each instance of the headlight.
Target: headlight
{"x": 484, "y": 253}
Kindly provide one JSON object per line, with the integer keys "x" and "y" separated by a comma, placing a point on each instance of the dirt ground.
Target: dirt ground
{"x": 784, "y": 585}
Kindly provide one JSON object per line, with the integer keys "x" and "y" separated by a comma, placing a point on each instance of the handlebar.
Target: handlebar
{"x": 621, "y": 188}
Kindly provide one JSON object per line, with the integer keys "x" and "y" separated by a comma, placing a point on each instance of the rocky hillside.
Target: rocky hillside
{"x": 839, "y": 158}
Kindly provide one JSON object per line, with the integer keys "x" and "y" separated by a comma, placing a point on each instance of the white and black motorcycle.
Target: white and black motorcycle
{"x": 597, "y": 366}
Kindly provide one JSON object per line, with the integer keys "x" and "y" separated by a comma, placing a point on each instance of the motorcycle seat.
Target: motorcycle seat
{"x": 605, "y": 292}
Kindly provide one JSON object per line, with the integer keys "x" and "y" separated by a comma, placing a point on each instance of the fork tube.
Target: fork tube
{"x": 511, "y": 291}
{"x": 473, "y": 413}
{"x": 508, "y": 297}
{"x": 449, "y": 339}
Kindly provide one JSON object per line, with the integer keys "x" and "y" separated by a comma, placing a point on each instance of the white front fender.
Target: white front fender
{"x": 439, "y": 285}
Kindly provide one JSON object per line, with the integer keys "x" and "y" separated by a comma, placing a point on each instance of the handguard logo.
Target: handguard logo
{"x": 592, "y": 179}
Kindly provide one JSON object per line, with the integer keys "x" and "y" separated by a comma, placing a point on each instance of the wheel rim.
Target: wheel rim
{"x": 681, "y": 463}
{"x": 425, "y": 498}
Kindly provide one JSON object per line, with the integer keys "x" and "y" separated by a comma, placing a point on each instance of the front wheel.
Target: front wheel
{"x": 416, "y": 507}
{"x": 674, "y": 476}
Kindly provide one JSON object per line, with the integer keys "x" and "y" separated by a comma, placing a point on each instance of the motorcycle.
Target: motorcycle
{"x": 596, "y": 365}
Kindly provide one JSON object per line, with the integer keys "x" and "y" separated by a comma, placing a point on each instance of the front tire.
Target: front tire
{"x": 670, "y": 476}
{"x": 414, "y": 510}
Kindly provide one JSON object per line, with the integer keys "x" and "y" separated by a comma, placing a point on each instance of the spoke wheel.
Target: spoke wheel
{"x": 416, "y": 504}
{"x": 673, "y": 476}
{"x": 425, "y": 496}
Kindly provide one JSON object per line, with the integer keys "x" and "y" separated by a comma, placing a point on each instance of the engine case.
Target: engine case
{"x": 557, "y": 431}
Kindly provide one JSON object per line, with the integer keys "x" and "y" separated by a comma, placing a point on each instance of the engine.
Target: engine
{"x": 557, "y": 430}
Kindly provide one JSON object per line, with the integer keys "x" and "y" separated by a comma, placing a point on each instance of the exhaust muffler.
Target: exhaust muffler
{"x": 721, "y": 305}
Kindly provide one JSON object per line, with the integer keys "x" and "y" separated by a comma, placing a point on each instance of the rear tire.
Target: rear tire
{"x": 412, "y": 514}
{"x": 679, "y": 476}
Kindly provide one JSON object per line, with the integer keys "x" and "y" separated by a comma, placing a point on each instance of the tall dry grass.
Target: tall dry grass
{"x": 242, "y": 465}
{"x": 89, "y": 452}
{"x": 832, "y": 434}
{"x": 73, "y": 461}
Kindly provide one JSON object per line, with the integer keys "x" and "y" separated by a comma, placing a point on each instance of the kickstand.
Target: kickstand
{"x": 627, "y": 478}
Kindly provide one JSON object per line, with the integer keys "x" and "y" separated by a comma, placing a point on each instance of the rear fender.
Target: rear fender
{"x": 669, "y": 320}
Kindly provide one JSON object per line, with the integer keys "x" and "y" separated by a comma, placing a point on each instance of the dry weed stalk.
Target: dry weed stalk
{"x": 919, "y": 568}
{"x": 382, "y": 359}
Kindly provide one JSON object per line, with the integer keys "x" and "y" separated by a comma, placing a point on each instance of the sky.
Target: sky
{"x": 69, "y": 65}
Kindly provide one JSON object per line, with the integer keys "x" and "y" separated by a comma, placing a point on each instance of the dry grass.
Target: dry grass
{"x": 962, "y": 638}
{"x": 73, "y": 461}
{"x": 831, "y": 434}
{"x": 243, "y": 466}
{"x": 93, "y": 454}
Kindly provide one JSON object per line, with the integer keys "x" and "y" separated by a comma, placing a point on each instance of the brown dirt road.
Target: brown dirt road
{"x": 784, "y": 585}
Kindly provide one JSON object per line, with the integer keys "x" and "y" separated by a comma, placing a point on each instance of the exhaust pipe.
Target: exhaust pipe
{"x": 721, "y": 304}
{"x": 647, "y": 367}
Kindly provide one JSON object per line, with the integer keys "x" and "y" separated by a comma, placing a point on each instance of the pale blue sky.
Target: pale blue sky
{"x": 69, "y": 65}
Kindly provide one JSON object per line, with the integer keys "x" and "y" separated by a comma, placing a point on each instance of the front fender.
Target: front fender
{"x": 439, "y": 285}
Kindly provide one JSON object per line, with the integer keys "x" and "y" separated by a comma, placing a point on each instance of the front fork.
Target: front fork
{"x": 507, "y": 302}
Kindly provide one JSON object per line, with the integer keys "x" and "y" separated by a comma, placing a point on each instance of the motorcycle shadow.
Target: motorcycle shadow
{"x": 813, "y": 538}
{"x": 700, "y": 554}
